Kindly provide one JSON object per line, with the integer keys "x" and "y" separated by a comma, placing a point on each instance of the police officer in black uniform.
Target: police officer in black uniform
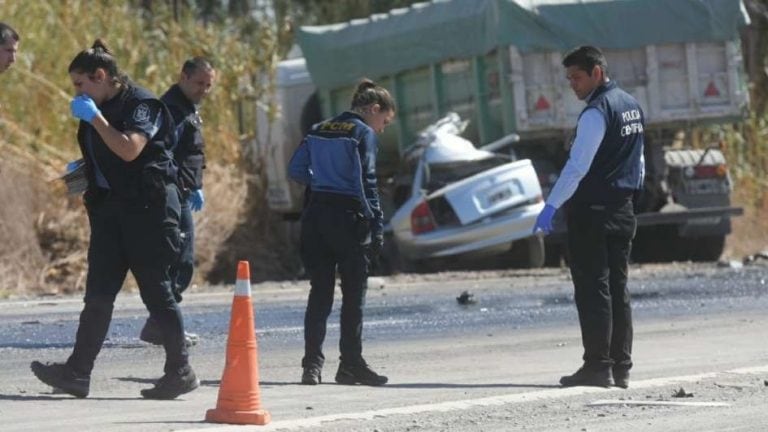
{"x": 341, "y": 227}
{"x": 183, "y": 99}
{"x": 598, "y": 184}
{"x": 133, "y": 207}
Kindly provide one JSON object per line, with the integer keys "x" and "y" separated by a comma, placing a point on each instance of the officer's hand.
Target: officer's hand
{"x": 377, "y": 243}
{"x": 73, "y": 165}
{"x": 196, "y": 200}
{"x": 544, "y": 221}
{"x": 84, "y": 108}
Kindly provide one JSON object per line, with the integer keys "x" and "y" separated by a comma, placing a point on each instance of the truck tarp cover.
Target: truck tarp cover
{"x": 426, "y": 33}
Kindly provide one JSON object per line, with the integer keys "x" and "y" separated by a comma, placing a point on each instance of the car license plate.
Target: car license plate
{"x": 498, "y": 196}
{"x": 706, "y": 186}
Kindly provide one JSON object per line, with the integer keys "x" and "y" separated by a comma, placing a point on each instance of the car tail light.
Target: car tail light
{"x": 421, "y": 219}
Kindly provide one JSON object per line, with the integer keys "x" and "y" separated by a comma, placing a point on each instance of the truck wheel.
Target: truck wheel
{"x": 708, "y": 248}
{"x": 528, "y": 252}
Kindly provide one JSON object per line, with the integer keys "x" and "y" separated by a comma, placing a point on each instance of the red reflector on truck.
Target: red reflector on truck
{"x": 709, "y": 171}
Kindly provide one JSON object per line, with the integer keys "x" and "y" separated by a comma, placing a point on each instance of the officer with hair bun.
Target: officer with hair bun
{"x": 125, "y": 136}
{"x": 341, "y": 227}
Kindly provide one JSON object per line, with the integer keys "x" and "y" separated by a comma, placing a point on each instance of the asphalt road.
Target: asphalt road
{"x": 491, "y": 365}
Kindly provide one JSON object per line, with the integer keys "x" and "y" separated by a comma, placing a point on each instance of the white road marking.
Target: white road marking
{"x": 452, "y": 406}
{"x": 379, "y": 323}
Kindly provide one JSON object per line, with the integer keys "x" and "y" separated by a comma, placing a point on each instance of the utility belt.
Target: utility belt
{"x": 344, "y": 202}
{"x": 148, "y": 188}
{"x": 603, "y": 198}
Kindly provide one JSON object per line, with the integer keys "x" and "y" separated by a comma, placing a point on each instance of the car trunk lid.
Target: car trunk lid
{"x": 489, "y": 192}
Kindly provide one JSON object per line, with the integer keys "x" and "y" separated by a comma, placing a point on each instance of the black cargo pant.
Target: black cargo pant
{"x": 599, "y": 239}
{"x": 183, "y": 268}
{"x": 333, "y": 233}
{"x": 141, "y": 236}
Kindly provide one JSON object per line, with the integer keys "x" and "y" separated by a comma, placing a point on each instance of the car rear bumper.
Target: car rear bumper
{"x": 490, "y": 235}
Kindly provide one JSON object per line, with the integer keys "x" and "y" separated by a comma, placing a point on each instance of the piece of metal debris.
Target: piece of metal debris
{"x": 466, "y": 298}
{"x": 681, "y": 393}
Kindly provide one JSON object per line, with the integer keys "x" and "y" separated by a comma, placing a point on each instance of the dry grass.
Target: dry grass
{"x": 20, "y": 253}
{"x": 44, "y": 234}
{"x": 750, "y": 231}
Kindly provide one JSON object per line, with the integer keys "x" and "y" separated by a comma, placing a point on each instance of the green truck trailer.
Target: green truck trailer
{"x": 497, "y": 64}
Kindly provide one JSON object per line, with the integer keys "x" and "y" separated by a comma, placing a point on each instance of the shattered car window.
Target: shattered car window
{"x": 443, "y": 174}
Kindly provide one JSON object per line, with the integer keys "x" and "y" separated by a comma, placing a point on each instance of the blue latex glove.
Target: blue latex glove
{"x": 544, "y": 221}
{"x": 84, "y": 108}
{"x": 196, "y": 200}
{"x": 73, "y": 165}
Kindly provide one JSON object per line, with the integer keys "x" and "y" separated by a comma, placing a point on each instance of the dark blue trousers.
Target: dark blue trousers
{"x": 333, "y": 237}
{"x": 181, "y": 271}
{"x": 599, "y": 241}
{"x": 143, "y": 237}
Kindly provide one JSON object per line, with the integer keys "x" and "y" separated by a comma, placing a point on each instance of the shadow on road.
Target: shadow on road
{"x": 138, "y": 380}
{"x": 209, "y": 383}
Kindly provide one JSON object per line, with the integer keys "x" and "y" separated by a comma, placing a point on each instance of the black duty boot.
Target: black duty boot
{"x": 359, "y": 374}
{"x": 62, "y": 377}
{"x": 621, "y": 377}
{"x": 173, "y": 385}
{"x": 588, "y": 377}
{"x": 151, "y": 333}
{"x": 311, "y": 376}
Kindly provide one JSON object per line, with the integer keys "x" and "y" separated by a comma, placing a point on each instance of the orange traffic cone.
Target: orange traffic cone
{"x": 239, "y": 396}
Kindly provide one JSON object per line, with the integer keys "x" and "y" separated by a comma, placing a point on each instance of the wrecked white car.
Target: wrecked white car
{"x": 464, "y": 203}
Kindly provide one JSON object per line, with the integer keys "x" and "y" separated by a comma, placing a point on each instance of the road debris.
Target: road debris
{"x": 681, "y": 393}
{"x": 466, "y": 298}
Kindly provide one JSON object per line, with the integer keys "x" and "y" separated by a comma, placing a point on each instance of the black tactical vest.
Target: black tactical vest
{"x": 616, "y": 170}
{"x": 144, "y": 177}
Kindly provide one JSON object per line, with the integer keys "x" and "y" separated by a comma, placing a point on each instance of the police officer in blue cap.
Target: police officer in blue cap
{"x": 125, "y": 136}
{"x": 341, "y": 227}
{"x": 598, "y": 184}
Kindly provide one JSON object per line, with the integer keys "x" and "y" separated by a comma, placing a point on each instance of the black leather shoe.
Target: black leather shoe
{"x": 173, "y": 385}
{"x": 588, "y": 377}
{"x": 311, "y": 376}
{"x": 621, "y": 378}
{"x": 62, "y": 377}
{"x": 359, "y": 374}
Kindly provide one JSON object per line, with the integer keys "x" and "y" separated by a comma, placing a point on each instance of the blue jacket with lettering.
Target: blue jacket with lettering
{"x": 339, "y": 156}
{"x": 617, "y": 168}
